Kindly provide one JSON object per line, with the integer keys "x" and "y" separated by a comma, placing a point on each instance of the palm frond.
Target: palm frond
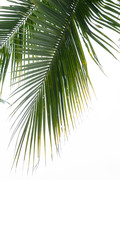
{"x": 49, "y": 63}
{"x": 11, "y": 18}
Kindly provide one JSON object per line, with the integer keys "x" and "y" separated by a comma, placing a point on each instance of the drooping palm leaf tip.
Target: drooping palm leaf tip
{"x": 43, "y": 41}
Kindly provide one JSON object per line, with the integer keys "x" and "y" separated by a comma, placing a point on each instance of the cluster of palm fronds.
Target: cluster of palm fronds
{"x": 43, "y": 41}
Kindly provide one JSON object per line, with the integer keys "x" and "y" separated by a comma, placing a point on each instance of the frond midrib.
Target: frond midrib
{"x": 58, "y": 44}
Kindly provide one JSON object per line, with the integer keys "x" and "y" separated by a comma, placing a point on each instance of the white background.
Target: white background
{"x": 76, "y": 196}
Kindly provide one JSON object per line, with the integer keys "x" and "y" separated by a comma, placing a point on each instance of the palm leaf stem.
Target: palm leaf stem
{"x": 73, "y": 7}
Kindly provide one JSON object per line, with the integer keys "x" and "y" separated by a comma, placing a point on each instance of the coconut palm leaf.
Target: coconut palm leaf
{"x": 48, "y": 62}
{"x": 11, "y": 18}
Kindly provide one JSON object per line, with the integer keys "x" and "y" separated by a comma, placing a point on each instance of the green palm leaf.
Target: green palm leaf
{"x": 48, "y": 62}
{"x": 11, "y": 18}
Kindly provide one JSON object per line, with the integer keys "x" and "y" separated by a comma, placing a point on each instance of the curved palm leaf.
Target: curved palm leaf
{"x": 49, "y": 63}
{"x": 11, "y": 18}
